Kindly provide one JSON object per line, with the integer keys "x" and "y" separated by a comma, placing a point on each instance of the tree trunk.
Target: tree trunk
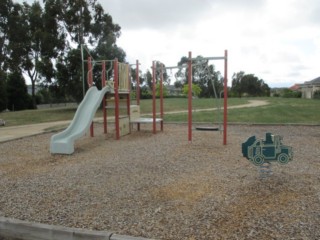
{"x": 33, "y": 94}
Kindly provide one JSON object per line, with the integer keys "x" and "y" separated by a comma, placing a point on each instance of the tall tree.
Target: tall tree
{"x": 5, "y": 13}
{"x": 76, "y": 16}
{"x": 12, "y": 40}
{"x": 237, "y": 88}
{"x": 249, "y": 84}
{"x": 43, "y": 41}
{"x": 3, "y": 91}
{"x": 203, "y": 74}
{"x": 86, "y": 23}
{"x": 69, "y": 75}
{"x": 18, "y": 97}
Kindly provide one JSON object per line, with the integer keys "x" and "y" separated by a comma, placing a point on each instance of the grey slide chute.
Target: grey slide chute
{"x": 63, "y": 142}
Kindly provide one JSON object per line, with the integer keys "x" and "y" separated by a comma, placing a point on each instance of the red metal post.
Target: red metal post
{"x": 190, "y": 97}
{"x": 129, "y": 88}
{"x": 89, "y": 80}
{"x": 225, "y": 97}
{"x": 116, "y": 98}
{"x": 137, "y": 83}
{"x": 137, "y": 88}
{"x": 161, "y": 96}
{"x": 103, "y": 84}
{"x": 154, "y": 97}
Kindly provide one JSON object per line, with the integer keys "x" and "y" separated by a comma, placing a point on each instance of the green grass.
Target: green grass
{"x": 177, "y": 104}
{"x": 37, "y": 116}
{"x": 279, "y": 111}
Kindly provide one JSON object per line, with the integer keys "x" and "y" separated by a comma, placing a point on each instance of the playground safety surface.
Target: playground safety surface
{"x": 163, "y": 187}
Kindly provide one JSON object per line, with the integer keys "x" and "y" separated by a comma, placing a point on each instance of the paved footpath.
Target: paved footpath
{"x": 16, "y": 132}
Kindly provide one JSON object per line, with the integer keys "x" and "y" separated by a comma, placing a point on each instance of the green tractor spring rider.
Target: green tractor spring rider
{"x": 271, "y": 149}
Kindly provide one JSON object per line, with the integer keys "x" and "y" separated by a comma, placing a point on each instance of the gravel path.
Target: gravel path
{"x": 160, "y": 186}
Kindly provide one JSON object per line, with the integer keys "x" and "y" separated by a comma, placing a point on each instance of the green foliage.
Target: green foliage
{"x": 33, "y": 41}
{"x": 69, "y": 80}
{"x": 316, "y": 94}
{"x": 196, "y": 90}
{"x": 248, "y": 85}
{"x": 288, "y": 93}
{"x": 134, "y": 76}
{"x": 148, "y": 79}
{"x": 5, "y": 13}
{"x": 164, "y": 90}
{"x": 203, "y": 74}
{"x": 178, "y": 85}
{"x": 18, "y": 98}
{"x": 145, "y": 93}
{"x": 3, "y": 91}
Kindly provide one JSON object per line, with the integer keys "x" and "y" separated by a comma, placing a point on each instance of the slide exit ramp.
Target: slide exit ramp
{"x": 63, "y": 142}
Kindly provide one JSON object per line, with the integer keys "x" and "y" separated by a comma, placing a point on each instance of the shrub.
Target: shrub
{"x": 316, "y": 94}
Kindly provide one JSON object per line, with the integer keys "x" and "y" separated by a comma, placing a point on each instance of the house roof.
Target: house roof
{"x": 295, "y": 87}
{"x": 315, "y": 81}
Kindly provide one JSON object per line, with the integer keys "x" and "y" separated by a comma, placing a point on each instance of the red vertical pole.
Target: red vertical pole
{"x": 137, "y": 88}
{"x": 103, "y": 84}
{"x": 225, "y": 97}
{"x": 89, "y": 85}
{"x": 89, "y": 80}
{"x": 154, "y": 97}
{"x": 129, "y": 88}
{"x": 190, "y": 97}
{"x": 116, "y": 98}
{"x": 137, "y": 83}
{"x": 161, "y": 96}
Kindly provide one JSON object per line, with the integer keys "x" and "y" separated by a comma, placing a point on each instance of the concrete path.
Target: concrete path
{"x": 252, "y": 103}
{"x": 16, "y": 132}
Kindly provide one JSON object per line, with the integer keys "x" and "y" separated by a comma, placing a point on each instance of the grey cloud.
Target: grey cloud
{"x": 155, "y": 14}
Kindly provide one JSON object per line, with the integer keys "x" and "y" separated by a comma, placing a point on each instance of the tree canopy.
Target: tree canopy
{"x": 249, "y": 85}
{"x": 204, "y": 75}
{"x": 43, "y": 41}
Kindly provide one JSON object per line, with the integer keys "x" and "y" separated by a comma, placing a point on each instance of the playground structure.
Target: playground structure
{"x": 225, "y": 94}
{"x": 115, "y": 94}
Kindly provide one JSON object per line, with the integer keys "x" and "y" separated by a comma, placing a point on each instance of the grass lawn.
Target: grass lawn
{"x": 279, "y": 111}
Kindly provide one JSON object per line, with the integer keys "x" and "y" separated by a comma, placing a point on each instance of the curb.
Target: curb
{"x": 13, "y": 229}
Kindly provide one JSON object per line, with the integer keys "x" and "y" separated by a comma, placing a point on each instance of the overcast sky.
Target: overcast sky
{"x": 277, "y": 40}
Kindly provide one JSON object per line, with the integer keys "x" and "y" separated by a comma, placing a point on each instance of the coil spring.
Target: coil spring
{"x": 265, "y": 170}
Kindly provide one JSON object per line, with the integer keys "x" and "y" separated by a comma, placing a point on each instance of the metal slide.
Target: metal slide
{"x": 63, "y": 142}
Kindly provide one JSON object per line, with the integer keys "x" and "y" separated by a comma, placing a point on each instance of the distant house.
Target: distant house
{"x": 308, "y": 88}
{"x": 295, "y": 87}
